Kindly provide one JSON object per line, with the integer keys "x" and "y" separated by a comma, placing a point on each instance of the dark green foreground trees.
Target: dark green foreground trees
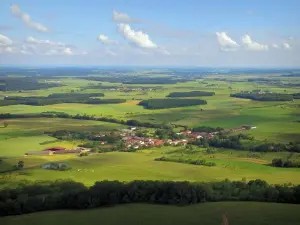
{"x": 43, "y": 196}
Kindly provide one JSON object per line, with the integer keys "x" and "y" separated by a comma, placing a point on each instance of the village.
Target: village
{"x": 132, "y": 141}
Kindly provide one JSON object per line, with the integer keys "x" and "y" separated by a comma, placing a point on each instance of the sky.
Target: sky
{"x": 210, "y": 33}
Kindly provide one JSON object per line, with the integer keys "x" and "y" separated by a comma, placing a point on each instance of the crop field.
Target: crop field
{"x": 208, "y": 213}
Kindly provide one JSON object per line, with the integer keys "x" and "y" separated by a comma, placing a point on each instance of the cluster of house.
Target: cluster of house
{"x": 126, "y": 89}
{"x": 139, "y": 142}
{"x": 133, "y": 141}
{"x": 196, "y": 135}
{"x": 57, "y": 151}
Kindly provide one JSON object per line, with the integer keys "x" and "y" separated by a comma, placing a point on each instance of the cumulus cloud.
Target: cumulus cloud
{"x": 16, "y": 11}
{"x": 4, "y": 40}
{"x": 137, "y": 38}
{"x": 251, "y": 45}
{"x": 33, "y": 40}
{"x": 35, "y": 46}
{"x": 105, "y": 40}
{"x": 123, "y": 18}
{"x": 286, "y": 46}
{"x": 226, "y": 43}
{"x": 5, "y": 44}
{"x": 275, "y": 46}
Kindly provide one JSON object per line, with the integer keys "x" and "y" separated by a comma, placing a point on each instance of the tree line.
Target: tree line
{"x": 42, "y": 196}
{"x": 137, "y": 79}
{"x": 21, "y": 83}
{"x": 83, "y": 135}
{"x": 285, "y": 163}
{"x": 53, "y": 114}
{"x": 170, "y": 103}
{"x": 199, "y": 162}
{"x": 207, "y": 129}
{"x": 263, "y": 96}
{"x": 191, "y": 94}
{"x": 236, "y": 142}
{"x": 84, "y": 98}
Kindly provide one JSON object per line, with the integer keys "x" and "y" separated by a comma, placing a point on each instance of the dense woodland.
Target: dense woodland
{"x": 92, "y": 136}
{"x": 263, "y": 96}
{"x": 84, "y": 98}
{"x": 199, "y": 162}
{"x": 170, "y": 103}
{"x": 285, "y": 163}
{"x": 21, "y": 83}
{"x": 236, "y": 142}
{"x": 191, "y": 94}
{"x": 207, "y": 129}
{"x": 41, "y": 196}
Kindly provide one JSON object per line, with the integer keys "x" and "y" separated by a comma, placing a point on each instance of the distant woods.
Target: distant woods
{"x": 263, "y": 96}
{"x": 42, "y": 196}
{"x": 57, "y": 98}
{"x": 24, "y": 83}
{"x": 190, "y": 94}
{"x": 53, "y": 114}
{"x": 170, "y": 103}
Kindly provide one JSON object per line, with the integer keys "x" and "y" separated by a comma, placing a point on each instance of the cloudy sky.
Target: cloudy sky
{"x": 248, "y": 33}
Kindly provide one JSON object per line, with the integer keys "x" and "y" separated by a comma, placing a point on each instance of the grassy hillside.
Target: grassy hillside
{"x": 238, "y": 213}
{"x": 126, "y": 166}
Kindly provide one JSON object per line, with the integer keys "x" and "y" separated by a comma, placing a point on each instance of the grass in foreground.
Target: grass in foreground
{"x": 238, "y": 213}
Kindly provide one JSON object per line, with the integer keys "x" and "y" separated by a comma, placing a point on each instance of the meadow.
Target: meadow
{"x": 237, "y": 213}
{"x": 124, "y": 166}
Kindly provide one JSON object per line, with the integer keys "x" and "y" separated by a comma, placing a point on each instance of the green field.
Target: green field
{"x": 207, "y": 214}
{"x": 140, "y": 165}
{"x": 275, "y": 121}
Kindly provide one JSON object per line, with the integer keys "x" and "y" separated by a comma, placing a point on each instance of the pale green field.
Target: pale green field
{"x": 238, "y": 213}
{"x": 124, "y": 166}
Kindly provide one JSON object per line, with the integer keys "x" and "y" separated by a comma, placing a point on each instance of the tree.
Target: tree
{"x": 20, "y": 165}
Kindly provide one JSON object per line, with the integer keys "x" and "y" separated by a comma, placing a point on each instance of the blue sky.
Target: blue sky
{"x": 129, "y": 32}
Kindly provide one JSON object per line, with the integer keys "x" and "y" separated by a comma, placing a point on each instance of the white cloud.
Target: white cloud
{"x": 251, "y": 45}
{"x": 16, "y": 10}
{"x": 67, "y": 51}
{"x": 5, "y": 44}
{"x": 226, "y": 43}
{"x": 123, "y": 18}
{"x": 4, "y": 40}
{"x": 33, "y": 40}
{"x": 275, "y": 46}
{"x": 138, "y": 38}
{"x": 286, "y": 46}
{"x": 105, "y": 40}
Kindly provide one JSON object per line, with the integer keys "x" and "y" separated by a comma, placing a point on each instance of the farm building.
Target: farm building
{"x": 55, "y": 149}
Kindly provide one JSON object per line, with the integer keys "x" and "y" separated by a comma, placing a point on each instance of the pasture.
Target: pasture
{"x": 237, "y": 213}
{"x": 140, "y": 165}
